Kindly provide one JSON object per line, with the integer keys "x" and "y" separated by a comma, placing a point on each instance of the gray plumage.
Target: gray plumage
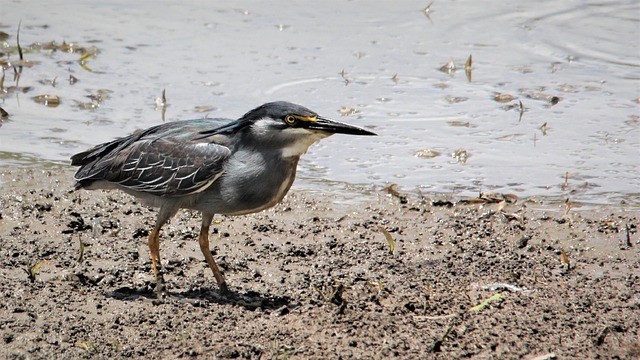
{"x": 215, "y": 166}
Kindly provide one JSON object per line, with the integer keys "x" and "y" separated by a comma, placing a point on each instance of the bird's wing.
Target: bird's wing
{"x": 161, "y": 167}
{"x": 163, "y": 161}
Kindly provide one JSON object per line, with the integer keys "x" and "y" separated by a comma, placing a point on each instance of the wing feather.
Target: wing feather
{"x": 168, "y": 160}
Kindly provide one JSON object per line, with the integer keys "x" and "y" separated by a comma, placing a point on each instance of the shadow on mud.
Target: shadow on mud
{"x": 250, "y": 300}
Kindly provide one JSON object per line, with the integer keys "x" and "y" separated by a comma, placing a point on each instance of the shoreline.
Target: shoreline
{"x": 315, "y": 277}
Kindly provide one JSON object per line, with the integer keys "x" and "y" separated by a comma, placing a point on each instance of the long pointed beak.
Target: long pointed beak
{"x": 336, "y": 127}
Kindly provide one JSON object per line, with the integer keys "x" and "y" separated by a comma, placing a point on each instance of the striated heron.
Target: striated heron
{"x": 215, "y": 166}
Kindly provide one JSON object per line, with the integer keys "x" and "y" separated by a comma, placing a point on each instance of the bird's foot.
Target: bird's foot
{"x": 224, "y": 290}
{"x": 161, "y": 289}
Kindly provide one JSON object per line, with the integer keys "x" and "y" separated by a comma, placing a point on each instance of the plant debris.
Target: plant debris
{"x": 484, "y": 304}
{"x": 390, "y": 240}
{"x": 47, "y": 100}
{"x": 427, "y": 154}
{"x": 348, "y": 111}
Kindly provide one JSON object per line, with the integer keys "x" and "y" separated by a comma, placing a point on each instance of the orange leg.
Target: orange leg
{"x": 154, "y": 246}
{"x": 165, "y": 213}
{"x": 203, "y": 239}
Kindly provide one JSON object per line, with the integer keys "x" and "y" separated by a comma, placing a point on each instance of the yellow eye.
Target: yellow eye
{"x": 291, "y": 120}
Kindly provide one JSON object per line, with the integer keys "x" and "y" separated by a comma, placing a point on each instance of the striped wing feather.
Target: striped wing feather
{"x": 163, "y": 161}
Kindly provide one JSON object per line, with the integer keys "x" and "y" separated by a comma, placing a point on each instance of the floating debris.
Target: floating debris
{"x": 162, "y": 101}
{"x": 343, "y": 74}
{"x": 100, "y": 95}
{"x": 427, "y": 11}
{"x": 394, "y": 78}
{"x": 427, "y": 154}
{"x": 525, "y": 69}
{"x": 72, "y": 79}
{"x": 65, "y": 47}
{"x": 204, "y": 108}
{"x": 18, "y": 42}
{"x": 448, "y": 68}
{"x": 348, "y": 111}
{"x": 503, "y": 98}
{"x": 455, "y": 99}
{"x": 161, "y": 104}
{"x": 47, "y": 100}
{"x": 467, "y": 67}
{"x": 520, "y": 110}
{"x": 537, "y": 95}
{"x": 24, "y": 63}
{"x": 515, "y": 106}
{"x": 96, "y": 100}
{"x": 49, "y": 82}
{"x": 458, "y": 123}
{"x": 83, "y": 60}
{"x": 461, "y": 155}
{"x": 543, "y": 128}
{"x": 3, "y": 114}
{"x": 510, "y": 107}
{"x": 565, "y": 186}
{"x": 14, "y": 89}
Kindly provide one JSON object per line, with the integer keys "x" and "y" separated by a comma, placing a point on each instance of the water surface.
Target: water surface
{"x": 574, "y": 66}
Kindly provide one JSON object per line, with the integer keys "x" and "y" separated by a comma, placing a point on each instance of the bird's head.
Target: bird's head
{"x": 291, "y": 127}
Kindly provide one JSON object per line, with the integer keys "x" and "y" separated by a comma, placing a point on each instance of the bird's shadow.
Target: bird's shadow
{"x": 250, "y": 300}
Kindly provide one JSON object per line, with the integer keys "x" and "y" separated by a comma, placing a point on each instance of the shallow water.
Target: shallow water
{"x": 382, "y": 59}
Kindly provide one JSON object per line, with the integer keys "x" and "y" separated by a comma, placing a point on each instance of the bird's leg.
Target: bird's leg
{"x": 154, "y": 247}
{"x": 203, "y": 239}
{"x": 165, "y": 213}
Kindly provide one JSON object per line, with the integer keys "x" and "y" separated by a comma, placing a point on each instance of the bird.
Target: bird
{"x": 211, "y": 165}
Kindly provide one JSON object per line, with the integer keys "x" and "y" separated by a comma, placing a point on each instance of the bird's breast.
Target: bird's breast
{"x": 251, "y": 182}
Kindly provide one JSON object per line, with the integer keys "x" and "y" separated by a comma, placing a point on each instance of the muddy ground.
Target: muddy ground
{"x": 314, "y": 278}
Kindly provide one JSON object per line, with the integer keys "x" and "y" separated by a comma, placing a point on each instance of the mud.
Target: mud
{"x": 314, "y": 278}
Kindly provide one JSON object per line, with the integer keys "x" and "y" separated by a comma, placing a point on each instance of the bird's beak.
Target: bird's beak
{"x": 335, "y": 127}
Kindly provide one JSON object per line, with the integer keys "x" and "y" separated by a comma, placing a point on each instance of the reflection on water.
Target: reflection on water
{"x": 548, "y": 107}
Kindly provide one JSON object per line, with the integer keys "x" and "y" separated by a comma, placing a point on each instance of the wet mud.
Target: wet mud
{"x": 316, "y": 278}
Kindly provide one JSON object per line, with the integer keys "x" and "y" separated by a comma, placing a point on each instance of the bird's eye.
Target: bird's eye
{"x": 291, "y": 120}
